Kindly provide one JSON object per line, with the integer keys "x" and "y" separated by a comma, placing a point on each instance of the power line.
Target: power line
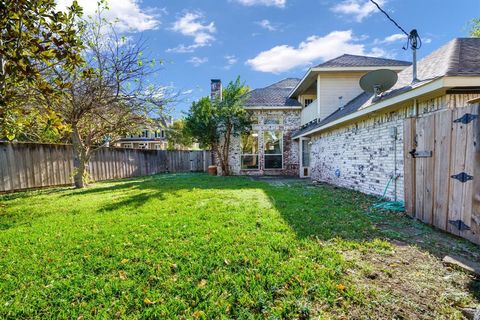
{"x": 389, "y": 18}
{"x": 413, "y": 39}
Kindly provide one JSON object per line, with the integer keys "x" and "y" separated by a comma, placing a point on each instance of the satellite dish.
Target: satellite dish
{"x": 378, "y": 81}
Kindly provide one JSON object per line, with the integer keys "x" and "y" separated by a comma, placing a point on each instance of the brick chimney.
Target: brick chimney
{"x": 216, "y": 89}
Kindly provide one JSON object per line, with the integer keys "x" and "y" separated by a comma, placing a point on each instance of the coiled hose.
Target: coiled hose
{"x": 395, "y": 206}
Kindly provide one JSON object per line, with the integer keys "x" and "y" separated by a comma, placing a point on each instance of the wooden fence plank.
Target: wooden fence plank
{"x": 443, "y": 135}
{"x": 469, "y": 169}
{"x": 3, "y": 168}
{"x": 419, "y": 169}
{"x": 457, "y": 165}
{"x": 429, "y": 192}
{"x": 409, "y": 165}
{"x": 475, "y": 220}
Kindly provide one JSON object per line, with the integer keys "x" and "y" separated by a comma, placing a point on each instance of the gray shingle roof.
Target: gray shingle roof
{"x": 350, "y": 60}
{"x": 351, "y": 106}
{"x": 459, "y": 57}
{"x": 275, "y": 95}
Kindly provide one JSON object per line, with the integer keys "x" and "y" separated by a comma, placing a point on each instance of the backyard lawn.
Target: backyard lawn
{"x": 198, "y": 247}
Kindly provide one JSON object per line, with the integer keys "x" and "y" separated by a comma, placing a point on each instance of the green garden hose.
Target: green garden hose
{"x": 395, "y": 206}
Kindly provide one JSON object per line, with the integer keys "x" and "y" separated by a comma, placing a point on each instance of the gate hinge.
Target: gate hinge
{"x": 459, "y": 224}
{"x": 462, "y": 177}
{"x": 466, "y": 118}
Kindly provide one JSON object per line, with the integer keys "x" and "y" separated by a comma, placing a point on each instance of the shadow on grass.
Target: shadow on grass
{"x": 322, "y": 211}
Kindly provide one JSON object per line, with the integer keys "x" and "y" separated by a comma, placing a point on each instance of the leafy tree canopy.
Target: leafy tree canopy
{"x": 34, "y": 37}
{"x": 214, "y": 123}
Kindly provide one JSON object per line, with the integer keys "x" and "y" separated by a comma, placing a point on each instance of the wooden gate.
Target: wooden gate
{"x": 442, "y": 165}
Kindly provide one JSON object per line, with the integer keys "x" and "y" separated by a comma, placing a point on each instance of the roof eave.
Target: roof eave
{"x": 295, "y": 92}
{"x": 273, "y": 107}
{"x": 430, "y": 87}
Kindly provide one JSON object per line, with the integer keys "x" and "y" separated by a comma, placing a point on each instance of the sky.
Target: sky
{"x": 264, "y": 41}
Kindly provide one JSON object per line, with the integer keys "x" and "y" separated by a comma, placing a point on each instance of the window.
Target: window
{"x": 305, "y": 153}
{"x": 273, "y": 148}
{"x": 307, "y": 102}
{"x": 163, "y": 133}
{"x": 249, "y": 146}
{"x": 254, "y": 120}
{"x": 145, "y": 133}
{"x": 273, "y": 119}
{"x": 127, "y": 145}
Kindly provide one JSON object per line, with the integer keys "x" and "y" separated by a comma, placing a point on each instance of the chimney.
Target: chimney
{"x": 216, "y": 89}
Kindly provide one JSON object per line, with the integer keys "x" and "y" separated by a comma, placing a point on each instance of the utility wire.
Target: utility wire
{"x": 413, "y": 39}
{"x": 386, "y": 14}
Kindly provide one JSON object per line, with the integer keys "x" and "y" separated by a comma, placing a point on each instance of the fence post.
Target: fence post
{"x": 475, "y": 221}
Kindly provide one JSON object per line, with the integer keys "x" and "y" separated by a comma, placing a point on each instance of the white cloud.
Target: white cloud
{"x": 187, "y": 92}
{"x": 396, "y": 38}
{"x": 268, "y": 3}
{"x": 191, "y": 25}
{"x": 266, "y": 24}
{"x": 359, "y": 9}
{"x": 231, "y": 60}
{"x": 129, "y": 15}
{"x": 197, "y": 61}
{"x": 283, "y": 57}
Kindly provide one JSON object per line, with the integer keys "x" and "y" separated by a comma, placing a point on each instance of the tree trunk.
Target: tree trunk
{"x": 79, "y": 159}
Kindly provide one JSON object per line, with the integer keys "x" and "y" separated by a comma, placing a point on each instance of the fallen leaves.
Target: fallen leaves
{"x": 202, "y": 283}
{"x": 122, "y": 275}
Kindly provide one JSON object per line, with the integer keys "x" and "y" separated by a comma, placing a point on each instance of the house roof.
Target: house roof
{"x": 275, "y": 95}
{"x": 350, "y": 60}
{"x": 347, "y": 63}
{"x": 459, "y": 57}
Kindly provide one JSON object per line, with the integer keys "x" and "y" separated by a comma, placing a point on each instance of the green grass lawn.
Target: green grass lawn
{"x": 193, "y": 246}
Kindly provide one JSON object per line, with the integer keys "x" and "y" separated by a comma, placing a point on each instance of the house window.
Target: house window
{"x": 127, "y": 145}
{"x": 273, "y": 148}
{"x": 305, "y": 153}
{"x": 307, "y": 102}
{"x": 162, "y": 133}
{"x": 273, "y": 119}
{"x": 145, "y": 133}
{"x": 249, "y": 148}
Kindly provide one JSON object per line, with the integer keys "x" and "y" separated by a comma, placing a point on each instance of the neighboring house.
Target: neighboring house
{"x": 326, "y": 127}
{"x": 148, "y": 137}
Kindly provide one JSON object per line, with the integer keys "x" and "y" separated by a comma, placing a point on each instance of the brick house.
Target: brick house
{"x": 326, "y": 127}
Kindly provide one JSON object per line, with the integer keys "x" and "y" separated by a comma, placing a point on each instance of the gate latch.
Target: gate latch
{"x": 421, "y": 154}
{"x": 462, "y": 177}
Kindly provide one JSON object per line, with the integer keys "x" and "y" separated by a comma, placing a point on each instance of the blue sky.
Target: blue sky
{"x": 264, "y": 41}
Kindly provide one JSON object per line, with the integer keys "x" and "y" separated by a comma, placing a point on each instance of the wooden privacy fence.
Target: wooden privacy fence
{"x": 442, "y": 170}
{"x": 31, "y": 165}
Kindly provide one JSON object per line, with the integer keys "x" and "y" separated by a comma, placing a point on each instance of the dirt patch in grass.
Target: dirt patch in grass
{"x": 407, "y": 283}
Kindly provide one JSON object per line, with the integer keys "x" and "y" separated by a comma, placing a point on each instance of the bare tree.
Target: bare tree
{"x": 109, "y": 95}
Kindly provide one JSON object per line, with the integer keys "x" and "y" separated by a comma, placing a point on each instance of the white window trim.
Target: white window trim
{"x": 273, "y": 154}
{"x": 251, "y": 154}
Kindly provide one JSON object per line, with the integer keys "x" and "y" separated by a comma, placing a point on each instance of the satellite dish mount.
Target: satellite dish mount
{"x": 378, "y": 81}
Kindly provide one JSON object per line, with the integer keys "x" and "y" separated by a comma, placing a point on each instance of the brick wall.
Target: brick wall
{"x": 291, "y": 121}
{"x": 362, "y": 155}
